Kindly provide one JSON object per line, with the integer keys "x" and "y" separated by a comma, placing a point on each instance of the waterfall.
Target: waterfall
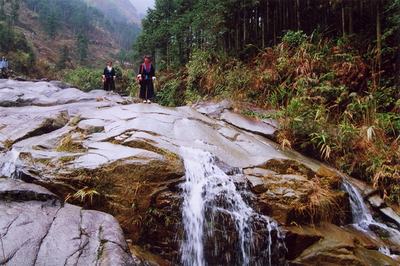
{"x": 362, "y": 217}
{"x": 219, "y": 224}
{"x": 9, "y": 162}
{"x": 360, "y": 213}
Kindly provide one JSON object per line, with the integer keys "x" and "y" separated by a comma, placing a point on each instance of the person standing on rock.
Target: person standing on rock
{"x": 3, "y": 67}
{"x": 109, "y": 77}
{"x": 146, "y": 78}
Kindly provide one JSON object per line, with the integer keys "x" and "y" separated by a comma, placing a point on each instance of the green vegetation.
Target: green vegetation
{"x": 81, "y": 17}
{"x": 14, "y": 44}
{"x": 100, "y": 251}
{"x": 325, "y": 110}
{"x": 74, "y": 23}
{"x": 87, "y": 79}
{"x": 83, "y": 194}
{"x": 155, "y": 217}
{"x": 75, "y": 121}
{"x": 84, "y": 78}
{"x": 69, "y": 145}
{"x": 334, "y": 84}
{"x": 174, "y": 29}
{"x": 82, "y": 41}
{"x": 66, "y": 159}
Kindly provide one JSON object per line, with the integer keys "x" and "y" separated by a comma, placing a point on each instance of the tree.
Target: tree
{"x": 15, "y": 5}
{"x": 175, "y": 27}
{"x": 123, "y": 57}
{"x": 64, "y": 58}
{"x": 82, "y": 41}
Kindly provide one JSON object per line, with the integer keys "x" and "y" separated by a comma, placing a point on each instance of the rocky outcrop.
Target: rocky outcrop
{"x": 37, "y": 228}
{"x": 328, "y": 244}
{"x": 106, "y": 153}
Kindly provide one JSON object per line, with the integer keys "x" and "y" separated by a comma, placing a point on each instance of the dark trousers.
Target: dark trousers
{"x": 109, "y": 84}
{"x": 3, "y": 73}
{"x": 146, "y": 85}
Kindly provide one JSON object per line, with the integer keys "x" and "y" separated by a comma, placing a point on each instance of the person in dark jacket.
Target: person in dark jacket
{"x": 109, "y": 77}
{"x": 146, "y": 77}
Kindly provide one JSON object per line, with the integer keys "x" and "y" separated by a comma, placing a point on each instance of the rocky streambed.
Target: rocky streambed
{"x": 108, "y": 163}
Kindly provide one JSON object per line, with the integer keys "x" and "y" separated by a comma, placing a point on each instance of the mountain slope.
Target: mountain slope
{"x": 117, "y": 9}
{"x": 47, "y": 50}
{"x": 106, "y": 36}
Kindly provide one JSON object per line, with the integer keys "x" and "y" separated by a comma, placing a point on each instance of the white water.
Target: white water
{"x": 360, "y": 213}
{"x": 362, "y": 217}
{"x": 9, "y": 168}
{"x": 212, "y": 200}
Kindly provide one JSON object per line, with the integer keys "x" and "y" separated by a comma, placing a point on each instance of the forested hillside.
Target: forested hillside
{"x": 239, "y": 28}
{"x": 43, "y": 37}
{"x": 328, "y": 69}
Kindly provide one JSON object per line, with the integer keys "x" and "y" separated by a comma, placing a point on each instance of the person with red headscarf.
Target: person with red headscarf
{"x": 146, "y": 77}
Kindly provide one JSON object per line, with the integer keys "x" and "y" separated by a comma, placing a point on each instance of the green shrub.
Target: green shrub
{"x": 87, "y": 79}
{"x": 294, "y": 38}
{"x": 170, "y": 92}
{"x": 127, "y": 83}
{"x": 84, "y": 78}
{"x": 21, "y": 62}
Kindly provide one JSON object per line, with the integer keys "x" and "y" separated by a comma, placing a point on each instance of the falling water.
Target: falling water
{"x": 220, "y": 226}
{"x": 362, "y": 217}
{"x": 360, "y": 213}
{"x": 9, "y": 164}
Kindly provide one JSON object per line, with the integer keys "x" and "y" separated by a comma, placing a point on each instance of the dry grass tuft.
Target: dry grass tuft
{"x": 70, "y": 145}
{"x": 319, "y": 204}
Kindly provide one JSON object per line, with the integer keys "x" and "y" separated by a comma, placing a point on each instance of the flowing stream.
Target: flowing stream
{"x": 9, "y": 168}
{"x": 360, "y": 212}
{"x": 220, "y": 226}
{"x": 362, "y": 217}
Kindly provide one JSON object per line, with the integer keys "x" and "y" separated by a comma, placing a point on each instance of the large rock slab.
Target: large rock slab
{"x": 37, "y": 228}
{"x": 250, "y": 124}
{"x": 13, "y": 93}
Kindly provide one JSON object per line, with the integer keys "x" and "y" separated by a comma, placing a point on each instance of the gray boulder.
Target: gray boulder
{"x": 37, "y": 228}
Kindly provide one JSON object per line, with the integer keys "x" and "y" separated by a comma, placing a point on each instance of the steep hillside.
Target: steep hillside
{"x": 48, "y": 50}
{"x": 105, "y": 35}
{"x": 117, "y": 9}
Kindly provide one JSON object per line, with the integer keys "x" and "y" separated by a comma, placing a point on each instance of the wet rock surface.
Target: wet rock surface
{"x": 106, "y": 153}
